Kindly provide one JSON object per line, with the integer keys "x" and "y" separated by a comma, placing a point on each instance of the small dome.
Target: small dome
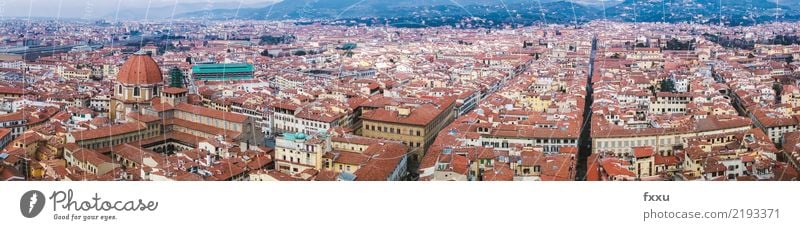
{"x": 139, "y": 69}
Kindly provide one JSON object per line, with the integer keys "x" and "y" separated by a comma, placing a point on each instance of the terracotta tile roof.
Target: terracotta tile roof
{"x": 351, "y": 158}
{"x": 91, "y": 157}
{"x": 616, "y": 167}
{"x": 29, "y": 137}
{"x": 173, "y": 90}
{"x": 643, "y": 151}
{"x": 383, "y": 160}
{"x": 106, "y": 131}
{"x": 4, "y": 132}
{"x": 143, "y": 117}
{"x": 202, "y": 128}
{"x": 326, "y": 175}
{"x": 139, "y": 69}
{"x": 213, "y": 113}
{"x": 500, "y": 172}
{"x": 136, "y": 154}
{"x": 11, "y": 117}
{"x": 11, "y": 90}
{"x": 420, "y": 116}
{"x": 666, "y": 160}
{"x": 185, "y": 138}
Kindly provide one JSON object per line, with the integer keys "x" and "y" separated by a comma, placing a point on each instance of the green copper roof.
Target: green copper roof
{"x": 296, "y": 136}
{"x": 221, "y": 68}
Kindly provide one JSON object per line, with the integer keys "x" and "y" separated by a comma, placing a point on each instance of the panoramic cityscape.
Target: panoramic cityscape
{"x": 344, "y": 90}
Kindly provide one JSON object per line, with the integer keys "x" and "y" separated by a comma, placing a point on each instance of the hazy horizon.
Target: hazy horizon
{"x": 157, "y": 9}
{"x": 96, "y": 9}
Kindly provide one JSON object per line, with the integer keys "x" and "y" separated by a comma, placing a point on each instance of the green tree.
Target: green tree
{"x": 176, "y": 77}
{"x": 675, "y": 44}
{"x": 777, "y": 87}
{"x": 667, "y": 85}
{"x": 300, "y": 53}
{"x": 348, "y": 46}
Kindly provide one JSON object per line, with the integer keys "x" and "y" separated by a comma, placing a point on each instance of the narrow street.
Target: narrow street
{"x": 585, "y": 140}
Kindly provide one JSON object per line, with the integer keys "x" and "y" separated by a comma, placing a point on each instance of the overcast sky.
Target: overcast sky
{"x": 93, "y": 9}
{"x": 99, "y": 8}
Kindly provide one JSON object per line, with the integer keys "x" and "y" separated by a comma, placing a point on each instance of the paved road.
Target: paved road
{"x": 585, "y": 140}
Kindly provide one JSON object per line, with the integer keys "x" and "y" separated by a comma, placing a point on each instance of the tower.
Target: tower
{"x": 139, "y": 80}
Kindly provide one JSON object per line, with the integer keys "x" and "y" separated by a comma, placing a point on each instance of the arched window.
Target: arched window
{"x": 119, "y": 89}
{"x": 136, "y": 92}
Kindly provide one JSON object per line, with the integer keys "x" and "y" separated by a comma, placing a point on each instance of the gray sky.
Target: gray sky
{"x": 91, "y": 9}
{"x": 94, "y": 9}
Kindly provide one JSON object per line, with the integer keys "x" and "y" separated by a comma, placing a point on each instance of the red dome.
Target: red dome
{"x": 139, "y": 69}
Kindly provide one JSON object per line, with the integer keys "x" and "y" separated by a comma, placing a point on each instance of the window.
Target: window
{"x": 119, "y": 89}
{"x": 136, "y": 92}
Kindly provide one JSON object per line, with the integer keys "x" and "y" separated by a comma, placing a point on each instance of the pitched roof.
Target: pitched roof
{"x": 212, "y": 113}
{"x": 106, "y": 131}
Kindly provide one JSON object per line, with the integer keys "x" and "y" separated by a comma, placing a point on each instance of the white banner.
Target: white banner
{"x": 398, "y": 205}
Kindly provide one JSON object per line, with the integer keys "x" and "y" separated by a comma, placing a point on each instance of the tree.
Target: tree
{"x": 176, "y": 77}
{"x": 300, "y": 53}
{"x": 675, "y": 44}
{"x": 777, "y": 87}
{"x": 348, "y": 46}
{"x": 266, "y": 53}
{"x": 667, "y": 85}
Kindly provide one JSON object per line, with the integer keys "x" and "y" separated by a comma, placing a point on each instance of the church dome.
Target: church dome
{"x": 139, "y": 69}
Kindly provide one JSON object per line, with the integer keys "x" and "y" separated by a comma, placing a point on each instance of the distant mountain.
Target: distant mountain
{"x": 795, "y": 4}
{"x": 599, "y": 4}
{"x": 338, "y": 9}
{"x": 171, "y": 10}
{"x": 497, "y": 12}
{"x": 739, "y": 12}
